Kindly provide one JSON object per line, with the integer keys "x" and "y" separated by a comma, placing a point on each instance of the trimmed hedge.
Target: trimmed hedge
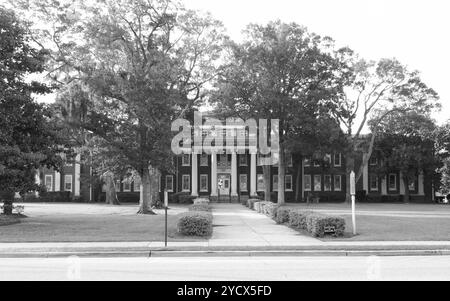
{"x": 201, "y": 201}
{"x": 282, "y": 215}
{"x": 316, "y": 224}
{"x": 182, "y": 198}
{"x": 195, "y": 223}
{"x": 297, "y": 219}
{"x": 251, "y": 202}
{"x": 55, "y": 197}
{"x": 270, "y": 209}
{"x": 200, "y": 207}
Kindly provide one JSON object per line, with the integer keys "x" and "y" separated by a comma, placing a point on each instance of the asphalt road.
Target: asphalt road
{"x": 227, "y": 268}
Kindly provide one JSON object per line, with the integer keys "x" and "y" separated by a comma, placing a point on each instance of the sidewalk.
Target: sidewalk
{"x": 237, "y": 232}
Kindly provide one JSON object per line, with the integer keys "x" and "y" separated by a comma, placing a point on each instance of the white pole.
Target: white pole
{"x": 353, "y": 193}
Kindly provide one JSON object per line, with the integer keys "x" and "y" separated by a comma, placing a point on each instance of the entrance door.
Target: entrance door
{"x": 223, "y": 183}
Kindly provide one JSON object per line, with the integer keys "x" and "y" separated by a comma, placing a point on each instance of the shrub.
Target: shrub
{"x": 251, "y": 202}
{"x": 270, "y": 209}
{"x": 186, "y": 199}
{"x": 297, "y": 219}
{"x": 55, "y": 197}
{"x": 175, "y": 198}
{"x": 201, "y": 201}
{"x": 257, "y": 206}
{"x": 282, "y": 215}
{"x": 200, "y": 207}
{"x": 195, "y": 223}
{"x": 316, "y": 224}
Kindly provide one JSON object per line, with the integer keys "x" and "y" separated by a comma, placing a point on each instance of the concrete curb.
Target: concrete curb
{"x": 224, "y": 253}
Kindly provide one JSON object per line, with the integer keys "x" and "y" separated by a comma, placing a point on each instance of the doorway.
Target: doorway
{"x": 223, "y": 184}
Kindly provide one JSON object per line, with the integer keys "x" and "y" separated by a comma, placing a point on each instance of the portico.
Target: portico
{"x": 226, "y": 171}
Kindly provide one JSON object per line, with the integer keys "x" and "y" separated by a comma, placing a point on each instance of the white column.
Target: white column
{"x": 402, "y": 185}
{"x": 253, "y": 175}
{"x": 214, "y": 174}
{"x": 366, "y": 173}
{"x": 421, "y": 189}
{"x": 234, "y": 177}
{"x": 57, "y": 181}
{"x": 76, "y": 191}
{"x": 384, "y": 186}
{"x": 194, "y": 180}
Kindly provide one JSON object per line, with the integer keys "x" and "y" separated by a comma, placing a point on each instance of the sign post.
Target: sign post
{"x": 166, "y": 206}
{"x": 353, "y": 196}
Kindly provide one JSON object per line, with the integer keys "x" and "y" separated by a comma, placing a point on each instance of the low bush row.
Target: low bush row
{"x": 317, "y": 225}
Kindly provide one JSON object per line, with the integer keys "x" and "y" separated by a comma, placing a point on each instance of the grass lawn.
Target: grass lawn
{"x": 391, "y": 222}
{"x": 6, "y": 220}
{"x": 91, "y": 223}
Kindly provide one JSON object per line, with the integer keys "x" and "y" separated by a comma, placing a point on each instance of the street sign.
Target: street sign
{"x": 352, "y": 183}
{"x": 353, "y": 193}
{"x": 166, "y": 198}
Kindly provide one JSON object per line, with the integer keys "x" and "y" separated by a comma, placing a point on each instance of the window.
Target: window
{"x": 316, "y": 163}
{"x": 373, "y": 183}
{"x": 327, "y": 158}
{"x": 337, "y": 160}
{"x": 169, "y": 183}
{"x": 307, "y": 184}
{"x": 186, "y": 160}
{"x": 318, "y": 183}
{"x": 243, "y": 160}
{"x": 203, "y": 183}
{"x": 289, "y": 160}
{"x": 243, "y": 183}
{"x": 327, "y": 182}
{"x": 118, "y": 185}
{"x": 260, "y": 183}
{"x": 338, "y": 183}
{"x": 288, "y": 183}
{"x": 307, "y": 162}
{"x": 68, "y": 183}
{"x": 137, "y": 185}
{"x": 275, "y": 182}
{"x": 48, "y": 182}
{"x": 412, "y": 184}
{"x": 373, "y": 161}
{"x": 186, "y": 183}
{"x": 392, "y": 182}
{"x": 126, "y": 186}
{"x": 204, "y": 160}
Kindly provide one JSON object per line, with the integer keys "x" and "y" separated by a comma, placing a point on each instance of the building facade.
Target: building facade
{"x": 235, "y": 177}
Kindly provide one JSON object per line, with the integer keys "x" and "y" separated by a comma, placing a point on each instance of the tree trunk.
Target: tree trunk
{"x": 111, "y": 194}
{"x": 154, "y": 186}
{"x": 406, "y": 185}
{"x": 281, "y": 176}
{"x": 8, "y": 200}
{"x": 267, "y": 182}
{"x": 7, "y": 207}
{"x": 298, "y": 188}
{"x": 145, "y": 202}
{"x": 349, "y": 167}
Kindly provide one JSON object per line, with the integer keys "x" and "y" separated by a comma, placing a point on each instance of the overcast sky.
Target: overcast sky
{"x": 414, "y": 31}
